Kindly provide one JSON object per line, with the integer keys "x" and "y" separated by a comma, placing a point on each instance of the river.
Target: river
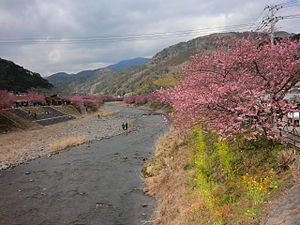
{"x": 97, "y": 183}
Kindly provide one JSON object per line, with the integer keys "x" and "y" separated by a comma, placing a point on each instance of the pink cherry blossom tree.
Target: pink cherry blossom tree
{"x": 139, "y": 99}
{"x": 30, "y": 98}
{"x": 87, "y": 100}
{"x": 238, "y": 87}
{"x": 6, "y": 99}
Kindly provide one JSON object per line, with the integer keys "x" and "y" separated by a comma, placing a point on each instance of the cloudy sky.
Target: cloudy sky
{"x": 48, "y": 36}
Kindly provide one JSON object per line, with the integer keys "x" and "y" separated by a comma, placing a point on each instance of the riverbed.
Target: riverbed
{"x": 97, "y": 183}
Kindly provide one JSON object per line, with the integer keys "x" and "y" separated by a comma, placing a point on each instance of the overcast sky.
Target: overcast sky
{"x": 49, "y": 36}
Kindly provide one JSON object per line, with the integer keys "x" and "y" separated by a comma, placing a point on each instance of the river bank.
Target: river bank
{"x": 21, "y": 146}
{"x": 198, "y": 179}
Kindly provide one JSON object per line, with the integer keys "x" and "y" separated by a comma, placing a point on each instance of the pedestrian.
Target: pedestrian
{"x": 126, "y": 126}
{"x": 98, "y": 116}
{"x": 123, "y": 126}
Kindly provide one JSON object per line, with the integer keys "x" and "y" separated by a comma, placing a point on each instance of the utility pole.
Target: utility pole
{"x": 272, "y": 19}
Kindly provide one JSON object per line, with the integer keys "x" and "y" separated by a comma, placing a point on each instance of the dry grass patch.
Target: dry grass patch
{"x": 64, "y": 143}
{"x": 169, "y": 183}
{"x": 19, "y": 144}
{"x": 11, "y": 154}
{"x": 37, "y": 110}
{"x": 67, "y": 109}
{"x": 103, "y": 111}
{"x": 198, "y": 179}
{"x": 18, "y": 122}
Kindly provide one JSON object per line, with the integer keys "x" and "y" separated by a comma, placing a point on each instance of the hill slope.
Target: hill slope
{"x": 64, "y": 80}
{"x": 15, "y": 78}
{"x": 160, "y": 71}
{"x": 127, "y": 63}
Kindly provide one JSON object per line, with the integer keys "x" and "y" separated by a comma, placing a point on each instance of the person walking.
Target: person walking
{"x": 126, "y": 126}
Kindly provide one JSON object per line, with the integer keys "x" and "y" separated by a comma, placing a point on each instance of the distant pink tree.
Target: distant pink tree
{"x": 76, "y": 100}
{"x": 35, "y": 98}
{"x": 139, "y": 99}
{"x": 6, "y": 99}
{"x": 30, "y": 98}
{"x": 87, "y": 100}
{"x": 238, "y": 87}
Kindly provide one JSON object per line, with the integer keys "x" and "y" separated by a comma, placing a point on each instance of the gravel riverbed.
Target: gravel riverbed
{"x": 96, "y": 183}
{"x": 19, "y": 147}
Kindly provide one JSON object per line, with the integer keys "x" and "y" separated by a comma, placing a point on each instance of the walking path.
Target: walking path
{"x": 286, "y": 210}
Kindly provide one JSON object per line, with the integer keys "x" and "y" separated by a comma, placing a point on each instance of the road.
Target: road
{"x": 97, "y": 183}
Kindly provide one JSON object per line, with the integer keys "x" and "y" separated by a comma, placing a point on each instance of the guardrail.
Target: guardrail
{"x": 291, "y": 133}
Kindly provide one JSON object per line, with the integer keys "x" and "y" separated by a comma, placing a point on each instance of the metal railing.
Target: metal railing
{"x": 291, "y": 132}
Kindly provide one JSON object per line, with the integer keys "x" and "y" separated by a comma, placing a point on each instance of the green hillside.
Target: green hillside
{"x": 15, "y": 78}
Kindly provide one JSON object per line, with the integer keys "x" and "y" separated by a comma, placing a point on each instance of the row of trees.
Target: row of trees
{"x": 90, "y": 100}
{"x": 240, "y": 86}
{"x": 139, "y": 99}
{"x": 8, "y": 99}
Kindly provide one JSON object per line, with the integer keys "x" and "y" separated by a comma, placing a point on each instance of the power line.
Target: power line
{"x": 292, "y": 6}
{"x": 272, "y": 19}
{"x": 296, "y": 15}
{"x": 288, "y": 3}
{"x": 269, "y": 19}
{"x": 256, "y": 19}
{"x": 290, "y": 27}
{"x": 289, "y": 18}
{"x": 128, "y": 35}
{"x": 93, "y": 39}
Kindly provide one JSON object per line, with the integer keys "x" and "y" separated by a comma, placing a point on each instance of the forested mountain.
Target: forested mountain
{"x": 15, "y": 78}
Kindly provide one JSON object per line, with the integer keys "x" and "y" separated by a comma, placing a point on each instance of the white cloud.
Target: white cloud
{"x": 63, "y": 19}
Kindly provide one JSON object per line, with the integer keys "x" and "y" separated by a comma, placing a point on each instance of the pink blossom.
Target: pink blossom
{"x": 244, "y": 84}
{"x": 6, "y": 99}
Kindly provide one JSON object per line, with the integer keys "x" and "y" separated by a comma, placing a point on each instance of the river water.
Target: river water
{"x": 97, "y": 183}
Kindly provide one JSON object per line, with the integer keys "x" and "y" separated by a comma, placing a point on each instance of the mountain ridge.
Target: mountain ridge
{"x": 64, "y": 80}
{"x": 127, "y": 63}
{"x": 161, "y": 71}
{"x": 15, "y": 78}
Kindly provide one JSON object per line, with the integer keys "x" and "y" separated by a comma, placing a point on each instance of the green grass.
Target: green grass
{"x": 234, "y": 178}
